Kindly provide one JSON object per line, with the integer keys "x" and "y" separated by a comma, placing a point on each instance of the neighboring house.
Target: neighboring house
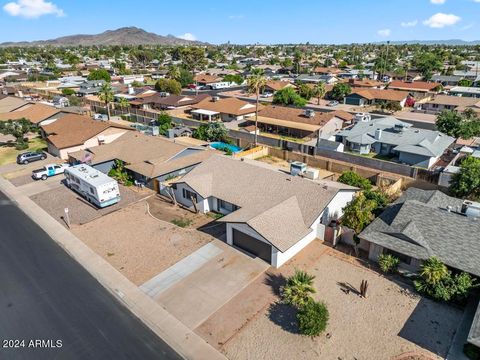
{"x": 272, "y": 86}
{"x": 154, "y": 160}
{"x": 362, "y": 97}
{"x": 60, "y": 101}
{"x": 300, "y": 123}
{"x": 320, "y": 70}
{"x": 447, "y": 102}
{"x": 90, "y": 87}
{"x": 418, "y": 89}
{"x": 159, "y": 74}
{"x": 159, "y": 102}
{"x": 313, "y": 79}
{"x": 207, "y": 80}
{"x": 465, "y": 91}
{"x": 36, "y": 113}
{"x": 11, "y": 103}
{"x": 180, "y": 131}
{"x": 268, "y": 213}
{"x": 447, "y": 80}
{"x": 72, "y": 132}
{"x": 229, "y": 109}
{"x": 388, "y": 136}
{"x": 425, "y": 223}
{"x": 365, "y": 84}
{"x": 357, "y": 74}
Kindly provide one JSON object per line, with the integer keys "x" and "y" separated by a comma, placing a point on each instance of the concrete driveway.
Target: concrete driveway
{"x": 197, "y": 286}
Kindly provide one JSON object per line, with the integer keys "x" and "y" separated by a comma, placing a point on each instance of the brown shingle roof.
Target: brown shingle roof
{"x": 227, "y": 106}
{"x": 33, "y": 112}
{"x": 11, "y": 103}
{"x": 379, "y": 94}
{"x": 204, "y": 78}
{"x": 72, "y": 130}
{"x": 415, "y": 85}
{"x": 278, "y": 84}
{"x": 297, "y": 115}
{"x": 172, "y": 100}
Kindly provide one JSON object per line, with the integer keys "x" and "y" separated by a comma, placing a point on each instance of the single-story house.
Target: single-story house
{"x": 365, "y": 84}
{"x": 313, "y": 79}
{"x": 269, "y": 214}
{"x": 153, "y": 161}
{"x": 425, "y": 223}
{"x": 207, "y": 80}
{"x": 90, "y": 87}
{"x": 228, "y": 109}
{"x": 447, "y": 102}
{"x": 418, "y": 89}
{"x": 72, "y": 132}
{"x": 11, "y": 103}
{"x": 272, "y": 86}
{"x": 391, "y": 137}
{"x": 300, "y": 123}
{"x": 362, "y": 97}
{"x": 447, "y": 80}
{"x": 465, "y": 91}
{"x": 156, "y": 101}
{"x": 36, "y": 113}
{"x": 322, "y": 70}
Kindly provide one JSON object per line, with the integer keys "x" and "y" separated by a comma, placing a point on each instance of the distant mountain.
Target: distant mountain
{"x": 123, "y": 36}
{"x": 452, "y": 42}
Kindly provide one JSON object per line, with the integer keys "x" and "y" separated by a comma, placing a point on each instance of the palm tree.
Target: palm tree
{"x": 106, "y": 95}
{"x": 319, "y": 91}
{"x": 255, "y": 82}
{"x": 123, "y": 103}
{"x": 298, "y": 289}
{"x": 433, "y": 270}
{"x": 173, "y": 72}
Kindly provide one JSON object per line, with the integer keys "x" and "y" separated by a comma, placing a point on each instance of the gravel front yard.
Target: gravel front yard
{"x": 385, "y": 324}
{"x": 80, "y": 210}
{"x": 138, "y": 245}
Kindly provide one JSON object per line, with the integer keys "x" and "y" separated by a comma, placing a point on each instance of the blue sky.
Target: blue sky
{"x": 248, "y": 21}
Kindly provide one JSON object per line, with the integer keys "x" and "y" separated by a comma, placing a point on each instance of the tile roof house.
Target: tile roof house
{"x": 448, "y": 102}
{"x": 300, "y": 123}
{"x": 153, "y": 160}
{"x": 72, "y": 132}
{"x": 36, "y": 113}
{"x": 156, "y": 101}
{"x": 272, "y": 86}
{"x": 418, "y": 89}
{"x": 11, "y": 103}
{"x": 204, "y": 79}
{"x": 391, "y": 137}
{"x": 362, "y": 97}
{"x": 227, "y": 109}
{"x": 268, "y": 213}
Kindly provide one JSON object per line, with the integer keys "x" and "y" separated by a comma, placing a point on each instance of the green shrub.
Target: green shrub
{"x": 312, "y": 318}
{"x": 353, "y": 179}
{"x": 388, "y": 263}
{"x": 298, "y": 289}
{"x": 21, "y": 145}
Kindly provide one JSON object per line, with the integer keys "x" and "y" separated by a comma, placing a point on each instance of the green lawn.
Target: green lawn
{"x": 8, "y": 153}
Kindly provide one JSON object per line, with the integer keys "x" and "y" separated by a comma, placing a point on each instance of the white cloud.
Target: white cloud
{"x": 409, "y": 23}
{"x": 32, "y": 8}
{"x": 438, "y": 2}
{"x": 187, "y": 36}
{"x": 236, "y": 17}
{"x": 384, "y": 32}
{"x": 440, "y": 20}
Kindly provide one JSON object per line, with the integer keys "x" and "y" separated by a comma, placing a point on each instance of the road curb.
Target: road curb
{"x": 183, "y": 340}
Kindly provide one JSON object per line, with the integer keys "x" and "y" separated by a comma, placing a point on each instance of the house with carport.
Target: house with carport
{"x": 267, "y": 213}
{"x": 216, "y": 109}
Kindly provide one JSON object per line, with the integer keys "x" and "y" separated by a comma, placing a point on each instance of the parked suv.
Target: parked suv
{"x": 30, "y": 156}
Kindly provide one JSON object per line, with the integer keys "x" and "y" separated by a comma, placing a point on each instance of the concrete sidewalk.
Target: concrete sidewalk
{"x": 173, "y": 332}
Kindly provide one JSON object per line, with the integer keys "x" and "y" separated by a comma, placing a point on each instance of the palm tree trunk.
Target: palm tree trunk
{"x": 108, "y": 111}
{"x": 318, "y": 103}
{"x": 256, "y": 117}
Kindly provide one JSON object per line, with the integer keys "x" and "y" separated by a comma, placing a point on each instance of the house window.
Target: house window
{"x": 403, "y": 258}
{"x": 187, "y": 194}
{"x": 224, "y": 205}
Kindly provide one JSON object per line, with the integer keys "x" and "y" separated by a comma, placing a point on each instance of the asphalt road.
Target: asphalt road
{"x": 46, "y": 295}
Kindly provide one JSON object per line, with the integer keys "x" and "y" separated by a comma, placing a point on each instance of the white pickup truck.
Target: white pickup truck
{"x": 49, "y": 170}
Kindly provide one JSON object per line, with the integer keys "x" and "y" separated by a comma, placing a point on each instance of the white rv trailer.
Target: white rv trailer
{"x": 93, "y": 185}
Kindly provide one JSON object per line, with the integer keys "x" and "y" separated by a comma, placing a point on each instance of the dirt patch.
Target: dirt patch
{"x": 386, "y": 324}
{"x": 138, "y": 245}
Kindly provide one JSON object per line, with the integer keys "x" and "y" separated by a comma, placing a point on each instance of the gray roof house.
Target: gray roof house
{"x": 90, "y": 87}
{"x": 268, "y": 213}
{"x": 392, "y": 137}
{"x": 425, "y": 223}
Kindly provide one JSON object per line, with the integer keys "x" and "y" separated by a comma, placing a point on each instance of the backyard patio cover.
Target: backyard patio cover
{"x": 205, "y": 112}
{"x": 288, "y": 124}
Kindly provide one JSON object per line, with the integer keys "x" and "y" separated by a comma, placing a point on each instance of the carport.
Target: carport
{"x": 252, "y": 245}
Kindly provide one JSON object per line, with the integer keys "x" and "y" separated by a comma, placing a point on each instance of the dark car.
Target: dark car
{"x": 30, "y": 156}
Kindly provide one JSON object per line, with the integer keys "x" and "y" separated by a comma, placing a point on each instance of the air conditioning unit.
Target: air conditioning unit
{"x": 309, "y": 113}
{"x": 215, "y": 98}
{"x": 311, "y": 173}
{"x": 297, "y": 168}
{"x": 362, "y": 117}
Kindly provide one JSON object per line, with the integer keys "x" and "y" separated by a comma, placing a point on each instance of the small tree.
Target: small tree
{"x": 213, "y": 131}
{"x": 465, "y": 125}
{"x": 466, "y": 182}
{"x": 99, "y": 74}
{"x": 340, "y": 90}
{"x": 233, "y": 78}
{"x": 298, "y": 289}
{"x": 353, "y": 179}
{"x": 358, "y": 213}
{"x": 68, "y": 92}
{"x": 18, "y": 129}
{"x": 164, "y": 123}
{"x": 121, "y": 174}
{"x": 388, "y": 263}
{"x": 313, "y": 318}
{"x": 319, "y": 91}
{"x": 288, "y": 96}
{"x": 169, "y": 86}
{"x": 106, "y": 95}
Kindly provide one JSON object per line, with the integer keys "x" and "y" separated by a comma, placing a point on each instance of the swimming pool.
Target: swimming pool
{"x": 225, "y": 147}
